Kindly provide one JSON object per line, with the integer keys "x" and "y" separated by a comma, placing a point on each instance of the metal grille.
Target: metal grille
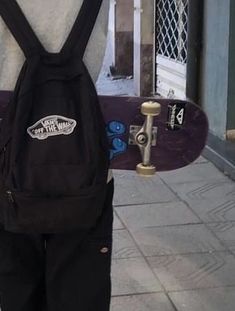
{"x": 172, "y": 20}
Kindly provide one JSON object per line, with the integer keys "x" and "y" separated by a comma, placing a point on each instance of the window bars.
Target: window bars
{"x": 171, "y": 29}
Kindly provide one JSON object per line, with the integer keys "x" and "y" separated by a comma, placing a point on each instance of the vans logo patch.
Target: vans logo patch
{"x": 52, "y": 126}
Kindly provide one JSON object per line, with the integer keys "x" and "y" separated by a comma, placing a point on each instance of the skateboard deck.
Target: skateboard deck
{"x": 148, "y": 133}
{"x": 179, "y": 132}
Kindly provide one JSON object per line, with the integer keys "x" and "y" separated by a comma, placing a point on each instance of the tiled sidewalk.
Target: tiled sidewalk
{"x": 174, "y": 244}
{"x": 174, "y": 237}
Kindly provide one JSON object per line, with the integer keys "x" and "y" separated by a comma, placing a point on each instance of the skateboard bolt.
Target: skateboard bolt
{"x": 142, "y": 139}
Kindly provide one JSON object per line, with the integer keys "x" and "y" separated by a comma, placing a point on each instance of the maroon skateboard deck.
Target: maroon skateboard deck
{"x": 169, "y": 138}
{"x": 179, "y": 132}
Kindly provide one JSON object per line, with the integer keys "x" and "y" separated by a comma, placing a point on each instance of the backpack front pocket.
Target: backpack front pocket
{"x": 35, "y": 213}
{"x": 53, "y": 180}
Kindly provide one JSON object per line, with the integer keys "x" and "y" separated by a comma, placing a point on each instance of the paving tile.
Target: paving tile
{"x": 131, "y": 276}
{"x": 212, "y": 201}
{"x": 133, "y": 189}
{"x": 176, "y": 240}
{"x": 191, "y": 271}
{"x": 124, "y": 246}
{"x": 216, "y": 299}
{"x": 201, "y": 159}
{"x": 156, "y": 215}
{"x": 116, "y": 222}
{"x": 225, "y": 232}
{"x": 142, "y": 302}
{"x": 193, "y": 173}
{"x": 233, "y": 251}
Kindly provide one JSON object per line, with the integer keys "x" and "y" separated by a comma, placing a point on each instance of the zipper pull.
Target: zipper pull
{"x": 10, "y": 196}
{"x": 12, "y": 204}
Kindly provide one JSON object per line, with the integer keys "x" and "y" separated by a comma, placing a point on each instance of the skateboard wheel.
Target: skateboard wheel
{"x": 150, "y": 108}
{"x": 145, "y": 170}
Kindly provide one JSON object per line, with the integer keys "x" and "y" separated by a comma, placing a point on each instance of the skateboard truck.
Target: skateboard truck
{"x": 144, "y": 138}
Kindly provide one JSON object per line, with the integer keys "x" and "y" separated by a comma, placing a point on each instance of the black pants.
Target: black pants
{"x": 58, "y": 272}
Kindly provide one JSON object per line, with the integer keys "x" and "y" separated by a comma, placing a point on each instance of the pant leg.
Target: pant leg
{"x": 21, "y": 272}
{"x": 79, "y": 264}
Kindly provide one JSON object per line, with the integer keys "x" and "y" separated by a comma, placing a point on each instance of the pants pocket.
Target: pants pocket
{"x": 99, "y": 254}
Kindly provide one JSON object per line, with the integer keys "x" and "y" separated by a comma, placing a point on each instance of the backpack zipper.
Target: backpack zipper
{"x": 11, "y": 200}
{"x": 10, "y": 196}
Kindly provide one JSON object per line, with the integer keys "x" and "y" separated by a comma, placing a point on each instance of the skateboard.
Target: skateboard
{"x": 149, "y": 134}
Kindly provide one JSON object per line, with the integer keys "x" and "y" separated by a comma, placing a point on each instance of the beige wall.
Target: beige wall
{"x": 124, "y": 37}
{"x": 143, "y": 46}
{"x": 124, "y": 11}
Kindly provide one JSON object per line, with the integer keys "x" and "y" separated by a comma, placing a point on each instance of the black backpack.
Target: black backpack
{"x": 54, "y": 152}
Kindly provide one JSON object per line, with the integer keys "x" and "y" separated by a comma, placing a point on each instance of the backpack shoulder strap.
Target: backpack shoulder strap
{"x": 82, "y": 28}
{"x": 20, "y": 28}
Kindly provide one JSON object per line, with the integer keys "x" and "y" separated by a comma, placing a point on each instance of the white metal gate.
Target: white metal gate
{"x": 171, "y": 47}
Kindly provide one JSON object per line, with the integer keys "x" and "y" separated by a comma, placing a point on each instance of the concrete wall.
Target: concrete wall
{"x": 215, "y": 64}
{"x": 143, "y": 46}
{"x": 124, "y": 37}
{"x": 231, "y": 73}
{"x": 111, "y": 36}
{"x": 137, "y": 43}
